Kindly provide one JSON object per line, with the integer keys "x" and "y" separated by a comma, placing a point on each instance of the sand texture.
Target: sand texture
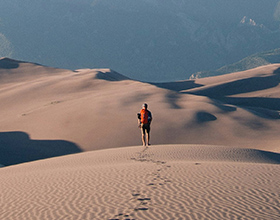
{"x": 161, "y": 182}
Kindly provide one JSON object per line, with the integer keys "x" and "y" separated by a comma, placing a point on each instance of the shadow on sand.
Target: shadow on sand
{"x": 241, "y": 86}
{"x": 17, "y": 147}
{"x": 6, "y": 63}
{"x": 178, "y": 86}
{"x": 270, "y": 157}
{"x": 265, "y": 107}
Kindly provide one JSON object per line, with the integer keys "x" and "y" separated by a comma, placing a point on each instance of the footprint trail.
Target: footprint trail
{"x": 139, "y": 200}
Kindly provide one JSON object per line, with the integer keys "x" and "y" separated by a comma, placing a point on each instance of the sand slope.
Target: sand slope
{"x": 96, "y": 109}
{"x": 48, "y": 112}
{"x": 161, "y": 182}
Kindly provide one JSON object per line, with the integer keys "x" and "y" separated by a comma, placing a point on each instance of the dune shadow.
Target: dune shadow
{"x": 268, "y": 103}
{"x": 111, "y": 76}
{"x": 17, "y": 147}
{"x": 6, "y": 63}
{"x": 277, "y": 71}
{"x": 271, "y": 157}
{"x": 202, "y": 117}
{"x": 240, "y": 86}
{"x": 265, "y": 107}
{"x": 178, "y": 86}
{"x": 172, "y": 98}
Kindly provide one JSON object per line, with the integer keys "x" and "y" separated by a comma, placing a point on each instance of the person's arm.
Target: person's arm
{"x": 150, "y": 117}
{"x": 139, "y": 119}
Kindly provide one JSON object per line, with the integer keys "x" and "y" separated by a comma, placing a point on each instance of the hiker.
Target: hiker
{"x": 144, "y": 122}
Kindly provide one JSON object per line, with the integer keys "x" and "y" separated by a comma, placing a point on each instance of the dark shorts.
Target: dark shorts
{"x": 145, "y": 128}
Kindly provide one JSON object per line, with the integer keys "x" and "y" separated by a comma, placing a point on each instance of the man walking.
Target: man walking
{"x": 144, "y": 122}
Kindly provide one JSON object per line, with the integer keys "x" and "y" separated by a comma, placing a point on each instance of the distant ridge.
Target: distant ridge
{"x": 104, "y": 74}
{"x": 14, "y": 70}
{"x": 250, "y": 62}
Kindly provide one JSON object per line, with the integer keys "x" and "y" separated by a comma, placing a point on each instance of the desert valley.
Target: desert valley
{"x": 71, "y": 149}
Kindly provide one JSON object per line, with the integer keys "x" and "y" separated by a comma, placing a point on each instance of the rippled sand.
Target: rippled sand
{"x": 160, "y": 182}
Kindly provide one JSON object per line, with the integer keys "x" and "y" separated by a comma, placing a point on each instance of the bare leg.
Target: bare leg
{"x": 144, "y": 139}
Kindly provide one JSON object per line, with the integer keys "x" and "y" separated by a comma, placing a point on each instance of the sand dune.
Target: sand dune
{"x": 261, "y": 81}
{"x": 161, "y": 182}
{"x": 96, "y": 109}
{"x": 225, "y": 164}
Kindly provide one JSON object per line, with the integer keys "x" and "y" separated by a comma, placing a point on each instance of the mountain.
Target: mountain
{"x": 256, "y": 60}
{"x": 5, "y": 46}
{"x": 148, "y": 40}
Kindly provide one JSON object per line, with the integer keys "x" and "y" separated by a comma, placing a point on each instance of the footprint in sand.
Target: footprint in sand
{"x": 151, "y": 184}
{"x": 141, "y": 209}
{"x": 122, "y": 216}
{"x": 158, "y": 180}
{"x": 144, "y": 199}
{"x": 41, "y": 107}
{"x": 135, "y": 194}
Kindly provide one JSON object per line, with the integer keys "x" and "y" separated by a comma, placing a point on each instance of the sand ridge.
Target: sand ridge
{"x": 160, "y": 182}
